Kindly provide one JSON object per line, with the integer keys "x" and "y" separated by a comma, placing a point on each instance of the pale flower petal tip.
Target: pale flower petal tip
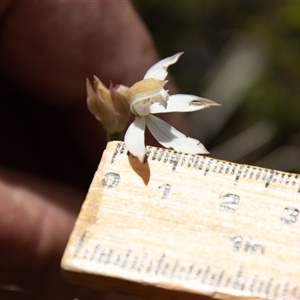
{"x": 182, "y": 103}
{"x": 135, "y": 138}
{"x": 204, "y": 102}
{"x": 92, "y": 100}
{"x": 160, "y": 69}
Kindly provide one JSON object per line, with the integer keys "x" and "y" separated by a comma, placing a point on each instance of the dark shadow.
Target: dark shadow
{"x": 141, "y": 169}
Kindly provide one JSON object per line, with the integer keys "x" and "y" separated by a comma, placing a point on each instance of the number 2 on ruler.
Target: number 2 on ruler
{"x": 229, "y": 205}
{"x": 290, "y": 212}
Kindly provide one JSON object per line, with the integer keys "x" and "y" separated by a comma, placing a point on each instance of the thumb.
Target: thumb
{"x": 3, "y": 6}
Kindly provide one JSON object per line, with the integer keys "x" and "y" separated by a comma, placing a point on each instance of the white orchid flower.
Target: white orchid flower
{"x": 148, "y": 97}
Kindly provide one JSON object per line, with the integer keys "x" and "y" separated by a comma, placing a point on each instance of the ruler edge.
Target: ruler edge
{"x": 65, "y": 271}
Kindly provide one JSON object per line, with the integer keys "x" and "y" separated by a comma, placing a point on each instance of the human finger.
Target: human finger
{"x": 36, "y": 219}
{"x": 51, "y": 47}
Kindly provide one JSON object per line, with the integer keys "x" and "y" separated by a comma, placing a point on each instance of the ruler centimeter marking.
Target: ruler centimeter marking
{"x": 204, "y": 163}
{"x": 131, "y": 262}
{"x": 267, "y": 176}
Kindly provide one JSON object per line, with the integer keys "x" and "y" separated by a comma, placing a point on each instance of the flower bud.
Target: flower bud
{"x": 109, "y": 106}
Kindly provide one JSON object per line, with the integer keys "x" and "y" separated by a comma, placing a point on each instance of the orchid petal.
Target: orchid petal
{"x": 161, "y": 99}
{"x": 100, "y": 105}
{"x": 135, "y": 138}
{"x": 122, "y": 89}
{"x": 169, "y": 137}
{"x": 159, "y": 70}
{"x": 98, "y": 84}
{"x": 182, "y": 103}
{"x": 122, "y": 111}
{"x": 146, "y": 88}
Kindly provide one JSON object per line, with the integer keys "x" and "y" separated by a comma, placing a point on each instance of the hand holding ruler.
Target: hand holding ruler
{"x": 181, "y": 226}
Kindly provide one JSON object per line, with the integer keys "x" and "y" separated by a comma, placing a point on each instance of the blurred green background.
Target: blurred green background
{"x": 246, "y": 56}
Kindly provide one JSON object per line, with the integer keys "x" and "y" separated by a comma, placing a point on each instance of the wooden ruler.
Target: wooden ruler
{"x": 181, "y": 225}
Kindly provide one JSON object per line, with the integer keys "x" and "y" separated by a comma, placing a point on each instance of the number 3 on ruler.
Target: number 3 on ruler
{"x": 292, "y": 213}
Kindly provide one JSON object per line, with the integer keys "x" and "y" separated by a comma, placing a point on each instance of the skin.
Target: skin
{"x": 47, "y": 49}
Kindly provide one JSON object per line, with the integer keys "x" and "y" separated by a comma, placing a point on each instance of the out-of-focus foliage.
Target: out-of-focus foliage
{"x": 208, "y": 31}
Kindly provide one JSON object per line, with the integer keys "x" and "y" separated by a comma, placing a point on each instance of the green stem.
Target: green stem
{"x": 116, "y": 136}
